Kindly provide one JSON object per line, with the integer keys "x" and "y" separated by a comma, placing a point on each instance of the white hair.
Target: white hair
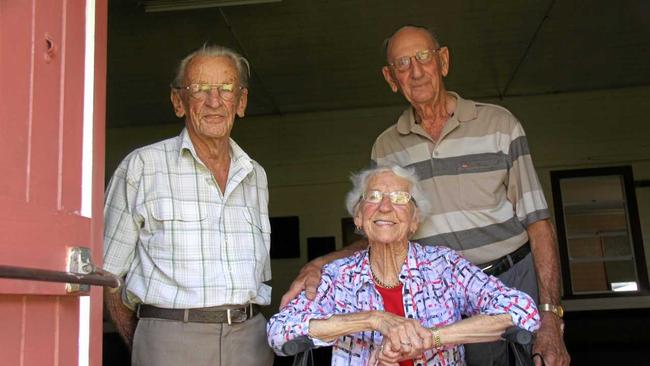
{"x": 360, "y": 184}
{"x": 241, "y": 63}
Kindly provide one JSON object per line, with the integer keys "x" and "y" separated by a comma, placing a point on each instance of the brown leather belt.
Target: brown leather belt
{"x": 217, "y": 314}
{"x": 498, "y": 266}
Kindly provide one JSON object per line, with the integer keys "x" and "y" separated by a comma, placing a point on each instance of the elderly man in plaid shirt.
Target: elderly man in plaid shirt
{"x": 187, "y": 226}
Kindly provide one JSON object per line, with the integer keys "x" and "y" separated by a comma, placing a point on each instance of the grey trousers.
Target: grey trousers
{"x": 159, "y": 342}
{"x": 521, "y": 276}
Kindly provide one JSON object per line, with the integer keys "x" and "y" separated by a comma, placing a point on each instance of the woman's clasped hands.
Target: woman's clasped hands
{"x": 403, "y": 339}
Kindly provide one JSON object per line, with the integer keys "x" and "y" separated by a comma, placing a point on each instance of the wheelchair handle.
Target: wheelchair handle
{"x": 297, "y": 345}
{"x": 518, "y": 335}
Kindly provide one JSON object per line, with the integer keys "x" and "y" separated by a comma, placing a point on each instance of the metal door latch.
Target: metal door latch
{"x": 79, "y": 263}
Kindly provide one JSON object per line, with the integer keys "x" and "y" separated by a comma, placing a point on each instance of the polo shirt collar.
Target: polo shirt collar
{"x": 465, "y": 112}
{"x": 465, "y": 109}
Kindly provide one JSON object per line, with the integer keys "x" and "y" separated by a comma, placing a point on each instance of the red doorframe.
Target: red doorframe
{"x": 43, "y": 211}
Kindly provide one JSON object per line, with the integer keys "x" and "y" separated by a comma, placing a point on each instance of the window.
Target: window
{"x": 599, "y": 235}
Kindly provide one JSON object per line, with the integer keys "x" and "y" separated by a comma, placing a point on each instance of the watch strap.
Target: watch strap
{"x": 551, "y": 308}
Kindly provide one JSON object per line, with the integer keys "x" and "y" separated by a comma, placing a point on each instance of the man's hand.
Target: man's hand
{"x": 549, "y": 343}
{"x": 308, "y": 280}
{"x": 309, "y": 277}
{"x": 124, "y": 319}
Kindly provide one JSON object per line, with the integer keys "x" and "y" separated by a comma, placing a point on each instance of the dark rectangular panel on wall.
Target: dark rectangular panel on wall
{"x": 285, "y": 237}
{"x": 318, "y": 246}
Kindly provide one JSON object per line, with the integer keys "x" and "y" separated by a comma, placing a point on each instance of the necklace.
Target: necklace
{"x": 376, "y": 278}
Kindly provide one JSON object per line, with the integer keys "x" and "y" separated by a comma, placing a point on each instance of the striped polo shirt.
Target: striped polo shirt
{"x": 479, "y": 177}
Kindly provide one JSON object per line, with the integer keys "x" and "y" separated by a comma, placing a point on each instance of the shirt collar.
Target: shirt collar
{"x": 239, "y": 158}
{"x": 465, "y": 112}
{"x": 365, "y": 277}
{"x": 409, "y": 272}
{"x": 185, "y": 143}
{"x": 465, "y": 109}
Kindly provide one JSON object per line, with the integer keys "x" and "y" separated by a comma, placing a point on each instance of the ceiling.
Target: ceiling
{"x": 315, "y": 55}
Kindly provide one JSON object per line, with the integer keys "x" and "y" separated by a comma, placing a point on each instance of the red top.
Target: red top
{"x": 394, "y": 303}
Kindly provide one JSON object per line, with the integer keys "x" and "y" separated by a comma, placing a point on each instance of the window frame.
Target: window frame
{"x": 634, "y": 224}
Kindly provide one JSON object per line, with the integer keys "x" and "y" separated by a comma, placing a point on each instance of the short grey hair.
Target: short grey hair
{"x": 360, "y": 184}
{"x": 427, "y": 30}
{"x": 242, "y": 64}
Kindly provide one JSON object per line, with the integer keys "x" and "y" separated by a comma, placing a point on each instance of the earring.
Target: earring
{"x": 359, "y": 231}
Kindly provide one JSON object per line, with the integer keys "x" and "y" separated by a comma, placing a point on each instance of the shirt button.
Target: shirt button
{"x": 435, "y": 153}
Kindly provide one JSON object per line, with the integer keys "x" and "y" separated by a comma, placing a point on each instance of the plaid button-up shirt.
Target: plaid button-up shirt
{"x": 179, "y": 240}
{"x": 439, "y": 288}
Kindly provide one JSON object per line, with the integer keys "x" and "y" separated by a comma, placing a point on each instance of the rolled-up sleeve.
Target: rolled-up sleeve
{"x": 121, "y": 223}
{"x": 293, "y": 320}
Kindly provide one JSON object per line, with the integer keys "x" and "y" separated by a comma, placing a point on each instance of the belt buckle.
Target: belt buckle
{"x": 236, "y": 315}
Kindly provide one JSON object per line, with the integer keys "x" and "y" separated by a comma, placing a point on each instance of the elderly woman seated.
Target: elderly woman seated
{"x": 398, "y": 300}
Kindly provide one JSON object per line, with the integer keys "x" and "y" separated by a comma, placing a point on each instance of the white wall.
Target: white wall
{"x": 308, "y": 157}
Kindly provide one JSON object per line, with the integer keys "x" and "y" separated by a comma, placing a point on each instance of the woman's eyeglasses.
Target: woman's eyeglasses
{"x": 396, "y": 197}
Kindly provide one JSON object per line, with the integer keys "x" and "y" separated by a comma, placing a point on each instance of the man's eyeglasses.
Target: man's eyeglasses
{"x": 404, "y": 63}
{"x": 202, "y": 91}
{"x": 396, "y": 197}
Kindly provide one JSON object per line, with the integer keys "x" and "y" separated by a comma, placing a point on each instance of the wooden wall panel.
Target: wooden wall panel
{"x": 46, "y": 93}
{"x": 71, "y": 117}
{"x": 15, "y": 40}
{"x": 12, "y": 319}
{"x": 39, "y": 330}
{"x": 42, "y": 63}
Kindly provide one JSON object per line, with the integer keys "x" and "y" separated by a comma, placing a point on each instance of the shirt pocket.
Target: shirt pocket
{"x": 260, "y": 236}
{"x": 175, "y": 228}
{"x": 252, "y": 216}
{"x": 259, "y": 227}
{"x": 481, "y": 181}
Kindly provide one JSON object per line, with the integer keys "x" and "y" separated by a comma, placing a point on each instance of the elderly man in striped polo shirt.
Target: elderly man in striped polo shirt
{"x": 473, "y": 161}
{"x": 186, "y": 222}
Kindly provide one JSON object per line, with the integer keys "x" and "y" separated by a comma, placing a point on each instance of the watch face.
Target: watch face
{"x": 559, "y": 310}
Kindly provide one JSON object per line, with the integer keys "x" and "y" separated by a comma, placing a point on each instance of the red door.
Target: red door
{"x": 52, "y": 91}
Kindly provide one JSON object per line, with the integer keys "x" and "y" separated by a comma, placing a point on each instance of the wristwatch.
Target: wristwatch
{"x": 555, "y": 309}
